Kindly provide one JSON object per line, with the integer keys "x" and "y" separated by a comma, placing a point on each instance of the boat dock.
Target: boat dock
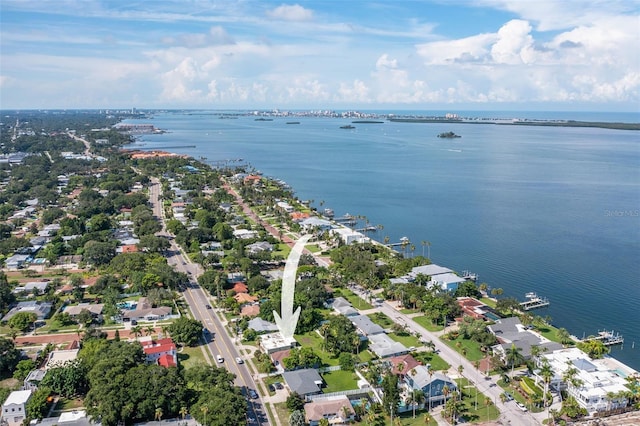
{"x": 367, "y": 229}
{"x": 608, "y": 338}
{"x": 533, "y": 302}
{"x": 470, "y": 276}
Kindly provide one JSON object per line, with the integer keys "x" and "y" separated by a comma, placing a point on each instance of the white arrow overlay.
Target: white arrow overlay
{"x": 287, "y": 324}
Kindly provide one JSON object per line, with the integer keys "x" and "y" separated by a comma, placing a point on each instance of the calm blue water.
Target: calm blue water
{"x": 550, "y": 210}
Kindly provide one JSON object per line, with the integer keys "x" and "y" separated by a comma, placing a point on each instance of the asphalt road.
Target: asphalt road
{"x": 218, "y": 342}
{"x": 509, "y": 412}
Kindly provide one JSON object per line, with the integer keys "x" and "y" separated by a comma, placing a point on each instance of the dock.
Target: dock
{"x": 608, "y": 338}
{"x": 470, "y": 276}
{"x": 533, "y": 302}
{"x": 367, "y": 229}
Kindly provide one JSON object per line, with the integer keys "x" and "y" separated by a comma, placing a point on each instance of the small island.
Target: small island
{"x": 449, "y": 135}
{"x": 348, "y": 126}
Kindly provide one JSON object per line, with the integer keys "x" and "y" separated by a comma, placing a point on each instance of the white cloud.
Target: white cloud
{"x": 291, "y": 13}
{"x": 514, "y": 44}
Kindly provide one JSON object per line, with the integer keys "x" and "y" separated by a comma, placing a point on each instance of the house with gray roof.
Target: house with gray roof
{"x": 383, "y": 346}
{"x": 365, "y": 326}
{"x": 41, "y": 309}
{"x": 429, "y": 270}
{"x": 510, "y": 331}
{"x": 262, "y": 326}
{"x": 430, "y": 384}
{"x": 40, "y": 286}
{"x": 343, "y": 307}
{"x": 446, "y": 282}
{"x": 304, "y": 382}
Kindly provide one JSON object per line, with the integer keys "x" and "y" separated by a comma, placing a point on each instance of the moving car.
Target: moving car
{"x": 219, "y": 358}
{"x": 239, "y": 360}
{"x": 208, "y": 306}
{"x": 508, "y": 396}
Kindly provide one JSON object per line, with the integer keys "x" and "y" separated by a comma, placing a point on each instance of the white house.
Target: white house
{"x": 13, "y": 409}
{"x": 349, "y": 236}
{"x": 596, "y": 379}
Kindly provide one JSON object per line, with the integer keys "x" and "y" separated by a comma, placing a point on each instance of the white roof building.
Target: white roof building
{"x": 14, "y": 408}
{"x": 595, "y": 378}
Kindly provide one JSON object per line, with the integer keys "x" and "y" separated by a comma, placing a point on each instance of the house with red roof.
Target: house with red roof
{"x": 162, "y": 352}
{"x": 240, "y": 287}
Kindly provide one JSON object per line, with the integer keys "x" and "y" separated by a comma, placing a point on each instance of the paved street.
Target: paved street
{"x": 218, "y": 341}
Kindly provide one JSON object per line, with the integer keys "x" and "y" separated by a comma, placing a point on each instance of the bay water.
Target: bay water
{"x": 551, "y": 210}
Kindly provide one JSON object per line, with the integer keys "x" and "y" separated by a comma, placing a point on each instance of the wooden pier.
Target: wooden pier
{"x": 533, "y": 302}
{"x": 608, "y": 338}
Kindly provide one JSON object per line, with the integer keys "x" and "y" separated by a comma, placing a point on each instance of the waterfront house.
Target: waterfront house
{"x": 337, "y": 410}
{"x": 304, "y": 382}
{"x": 509, "y": 331}
{"x": 447, "y": 282}
{"x": 315, "y": 223}
{"x": 429, "y": 270}
{"x": 600, "y": 384}
{"x": 349, "y": 236}
{"x": 14, "y": 408}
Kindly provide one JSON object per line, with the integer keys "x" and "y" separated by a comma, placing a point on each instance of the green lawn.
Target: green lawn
{"x": 483, "y": 412}
{"x": 551, "y": 333}
{"x": 425, "y": 322}
{"x": 339, "y": 381}
{"x": 409, "y": 311}
{"x": 428, "y": 357}
{"x": 381, "y": 319}
{"x": 282, "y": 250}
{"x": 355, "y": 300}
{"x": 191, "y": 356}
{"x": 489, "y": 302}
{"x": 473, "y": 352}
{"x": 314, "y": 341}
{"x": 409, "y": 340}
{"x": 313, "y": 248}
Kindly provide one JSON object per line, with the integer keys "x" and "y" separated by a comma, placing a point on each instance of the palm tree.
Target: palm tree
{"x": 149, "y": 330}
{"x": 183, "y": 412}
{"x": 204, "y": 409}
{"x": 431, "y": 383}
{"x": 563, "y": 336}
{"x": 514, "y": 356}
{"x": 487, "y": 403}
{"x": 547, "y": 373}
{"x": 136, "y": 330}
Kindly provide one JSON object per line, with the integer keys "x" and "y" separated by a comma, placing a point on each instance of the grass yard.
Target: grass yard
{"x": 281, "y": 412}
{"x": 314, "y": 341}
{"x": 408, "y": 340}
{"x": 428, "y": 357}
{"x": 339, "y": 381}
{"x": 471, "y": 348}
{"x": 191, "y": 356}
{"x": 488, "y": 301}
{"x": 381, "y": 319}
{"x": 483, "y": 412}
{"x": 281, "y": 250}
{"x": 425, "y": 322}
{"x": 355, "y": 300}
{"x": 313, "y": 248}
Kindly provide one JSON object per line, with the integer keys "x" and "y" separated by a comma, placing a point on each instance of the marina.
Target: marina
{"x": 533, "y": 302}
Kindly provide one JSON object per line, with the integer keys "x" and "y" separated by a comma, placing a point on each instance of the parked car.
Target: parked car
{"x": 253, "y": 394}
{"x": 508, "y": 396}
{"x": 278, "y": 385}
{"x": 521, "y": 406}
{"x": 239, "y": 360}
{"x": 272, "y": 388}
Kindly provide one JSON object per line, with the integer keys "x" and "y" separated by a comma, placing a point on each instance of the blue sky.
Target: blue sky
{"x": 342, "y": 54}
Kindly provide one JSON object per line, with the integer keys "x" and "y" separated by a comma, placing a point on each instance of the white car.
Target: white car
{"x": 219, "y": 358}
{"x": 239, "y": 360}
{"x": 521, "y": 406}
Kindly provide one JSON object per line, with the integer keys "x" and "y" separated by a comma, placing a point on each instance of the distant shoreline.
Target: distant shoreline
{"x": 543, "y": 123}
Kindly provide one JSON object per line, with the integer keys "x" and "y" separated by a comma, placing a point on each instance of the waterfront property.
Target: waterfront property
{"x": 597, "y": 385}
{"x": 509, "y": 331}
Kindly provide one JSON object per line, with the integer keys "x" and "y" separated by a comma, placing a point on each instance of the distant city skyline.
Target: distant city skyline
{"x": 367, "y": 55}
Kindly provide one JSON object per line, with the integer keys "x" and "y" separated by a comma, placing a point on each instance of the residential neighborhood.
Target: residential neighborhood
{"x": 141, "y": 288}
